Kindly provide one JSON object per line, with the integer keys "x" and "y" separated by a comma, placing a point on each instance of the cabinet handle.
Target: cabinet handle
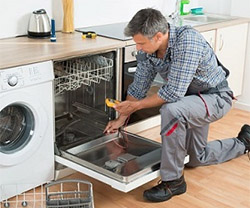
{"x": 221, "y": 43}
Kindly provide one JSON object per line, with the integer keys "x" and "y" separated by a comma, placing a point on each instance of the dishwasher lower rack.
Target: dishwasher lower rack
{"x": 72, "y": 193}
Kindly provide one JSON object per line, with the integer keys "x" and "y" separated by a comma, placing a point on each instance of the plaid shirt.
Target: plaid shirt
{"x": 189, "y": 66}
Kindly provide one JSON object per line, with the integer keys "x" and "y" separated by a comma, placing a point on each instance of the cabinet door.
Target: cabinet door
{"x": 230, "y": 49}
{"x": 210, "y": 37}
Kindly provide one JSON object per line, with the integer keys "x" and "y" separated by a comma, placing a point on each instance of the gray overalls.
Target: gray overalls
{"x": 185, "y": 119}
{"x": 184, "y": 131}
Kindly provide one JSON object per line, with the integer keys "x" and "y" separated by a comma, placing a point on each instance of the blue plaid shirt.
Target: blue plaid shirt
{"x": 189, "y": 66}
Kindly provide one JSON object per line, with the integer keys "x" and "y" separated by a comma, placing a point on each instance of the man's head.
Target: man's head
{"x": 147, "y": 28}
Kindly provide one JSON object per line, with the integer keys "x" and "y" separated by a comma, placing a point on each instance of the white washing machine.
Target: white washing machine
{"x": 26, "y": 128}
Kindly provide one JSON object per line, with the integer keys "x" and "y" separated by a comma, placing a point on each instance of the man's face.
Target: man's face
{"x": 147, "y": 45}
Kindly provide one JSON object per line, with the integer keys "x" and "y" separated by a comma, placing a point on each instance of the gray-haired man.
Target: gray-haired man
{"x": 195, "y": 94}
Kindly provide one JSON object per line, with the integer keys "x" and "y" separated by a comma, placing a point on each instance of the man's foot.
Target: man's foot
{"x": 165, "y": 190}
{"x": 244, "y": 136}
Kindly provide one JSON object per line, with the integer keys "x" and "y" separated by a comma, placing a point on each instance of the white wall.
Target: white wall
{"x": 88, "y": 13}
{"x": 96, "y": 12}
{"x": 216, "y": 6}
{"x": 15, "y": 13}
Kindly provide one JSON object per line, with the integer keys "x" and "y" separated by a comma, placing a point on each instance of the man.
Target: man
{"x": 195, "y": 94}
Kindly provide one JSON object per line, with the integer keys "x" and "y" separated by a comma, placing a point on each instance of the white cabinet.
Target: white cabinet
{"x": 230, "y": 49}
{"x": 210, "y": 37}
{"x": 229, "y": 44}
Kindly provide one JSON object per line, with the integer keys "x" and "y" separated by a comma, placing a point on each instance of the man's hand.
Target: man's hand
{"x": 126, "y": 108}
{"x": 114, "y": 125}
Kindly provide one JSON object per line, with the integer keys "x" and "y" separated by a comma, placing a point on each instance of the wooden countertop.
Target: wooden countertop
{"x": 24, "y": 50}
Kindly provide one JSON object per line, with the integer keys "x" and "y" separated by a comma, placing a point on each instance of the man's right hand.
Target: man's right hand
{"x": 114, "y": 125}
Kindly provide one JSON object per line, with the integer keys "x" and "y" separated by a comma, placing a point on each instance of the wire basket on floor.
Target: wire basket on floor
{"x": 77, "y": 194}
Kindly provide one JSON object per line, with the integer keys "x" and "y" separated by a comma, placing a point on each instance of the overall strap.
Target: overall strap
{"x": 220, "y": 64}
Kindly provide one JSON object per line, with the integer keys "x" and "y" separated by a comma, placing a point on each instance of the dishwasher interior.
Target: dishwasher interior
{"x": 81, "y": 86}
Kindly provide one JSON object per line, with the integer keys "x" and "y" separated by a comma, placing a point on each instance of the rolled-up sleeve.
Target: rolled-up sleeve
{"x": 185, "y": 60}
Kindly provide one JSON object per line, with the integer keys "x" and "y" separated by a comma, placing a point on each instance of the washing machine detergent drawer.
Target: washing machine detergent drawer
{"x": 122, "y": 160}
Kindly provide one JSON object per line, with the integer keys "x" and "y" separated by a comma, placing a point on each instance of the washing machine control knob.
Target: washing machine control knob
{"x": 13, "y": 80}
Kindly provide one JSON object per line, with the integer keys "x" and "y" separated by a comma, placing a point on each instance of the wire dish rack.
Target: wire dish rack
{"x": 69, "y": 193}
{"x": 71, "y": 74}
{"x": 77, "y": 194}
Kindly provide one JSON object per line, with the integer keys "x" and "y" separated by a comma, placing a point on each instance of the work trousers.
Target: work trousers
{"x": 184, "y": 131}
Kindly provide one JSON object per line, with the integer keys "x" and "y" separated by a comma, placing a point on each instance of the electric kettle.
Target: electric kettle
{"x": 39, "y": 24}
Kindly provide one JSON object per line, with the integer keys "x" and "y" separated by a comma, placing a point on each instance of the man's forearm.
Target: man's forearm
{"x": 151, "y": 101}
{"x": 131, "y": 98}
{"x": 148, "y": 102}
{"x": 132, "y": 104}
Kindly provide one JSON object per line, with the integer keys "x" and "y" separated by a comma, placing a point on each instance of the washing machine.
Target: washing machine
{"x": 26, "y": 128}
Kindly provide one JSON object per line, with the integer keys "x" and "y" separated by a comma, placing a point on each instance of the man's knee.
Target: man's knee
{"x": 170, "y": 117}
{"x": 170, "y": 110}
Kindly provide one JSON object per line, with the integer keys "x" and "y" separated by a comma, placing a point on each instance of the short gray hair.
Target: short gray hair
{"x": 147, "y": 22}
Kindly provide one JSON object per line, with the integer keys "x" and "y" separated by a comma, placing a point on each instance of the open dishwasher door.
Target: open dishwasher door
{"x": 122, "y": 160}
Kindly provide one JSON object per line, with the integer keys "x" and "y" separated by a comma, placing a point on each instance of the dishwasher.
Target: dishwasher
{"x": 123, "y": 160}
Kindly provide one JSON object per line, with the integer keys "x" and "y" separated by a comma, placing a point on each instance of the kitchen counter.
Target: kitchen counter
{"x": 24, "y": 50}
{"x": 211, "y": 26}
{"x": 217, "y": 25}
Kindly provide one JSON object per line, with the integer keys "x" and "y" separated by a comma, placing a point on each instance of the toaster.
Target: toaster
{"x": 39, "y": 24}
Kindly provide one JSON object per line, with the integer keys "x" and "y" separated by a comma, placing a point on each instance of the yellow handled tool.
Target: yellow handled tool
{"x": 89, "y": 34}
{"x": 111, "y": 102}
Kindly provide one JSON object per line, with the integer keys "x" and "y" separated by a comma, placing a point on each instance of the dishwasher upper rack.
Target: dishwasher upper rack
{"x": 72, "y": 74}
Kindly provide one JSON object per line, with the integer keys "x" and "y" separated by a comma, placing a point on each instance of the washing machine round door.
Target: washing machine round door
{"x": 23, "y": 124}
{"x": 17, "y": 127}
